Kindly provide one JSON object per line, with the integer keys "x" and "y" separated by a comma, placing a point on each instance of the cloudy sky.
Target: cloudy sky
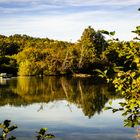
{"x": 66, "y": 19}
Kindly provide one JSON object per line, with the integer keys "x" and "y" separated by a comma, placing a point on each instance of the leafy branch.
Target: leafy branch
{"x": 7, "y": 128}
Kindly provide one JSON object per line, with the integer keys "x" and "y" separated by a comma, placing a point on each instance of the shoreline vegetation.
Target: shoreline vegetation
{"x": 27, "y": 56}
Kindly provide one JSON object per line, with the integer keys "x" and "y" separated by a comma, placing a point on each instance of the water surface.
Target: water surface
{"x": 71, "y": 108}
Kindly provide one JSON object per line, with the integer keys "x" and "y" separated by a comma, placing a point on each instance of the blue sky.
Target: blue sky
{"x": 66, "y": 19}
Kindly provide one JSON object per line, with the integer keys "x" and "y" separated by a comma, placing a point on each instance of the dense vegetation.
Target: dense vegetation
{"x": 127, "y": 78}
{"x": 36, "y": 56}
{"x": 24, "y": 55}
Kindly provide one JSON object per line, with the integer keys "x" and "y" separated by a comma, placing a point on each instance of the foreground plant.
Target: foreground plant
{"x": 128, "y": 83}
{"x": 6, "y": 130}
{"x": 42, "y": 135}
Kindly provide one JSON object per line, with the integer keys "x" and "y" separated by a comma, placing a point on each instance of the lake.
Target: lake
{"x": 71, "y": 108}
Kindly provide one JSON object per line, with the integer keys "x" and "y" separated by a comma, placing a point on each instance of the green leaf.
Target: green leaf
{"x": 110, "y": 102}
{"x": 136, "y": 38}
{"x": 128, "y": 57}
{"x": 99, "y": 71}
{"x": 49, "y": 136}
{"x": 7, "y": 123}
{"x": 100, "y": 75}
{"x": 104, "y": 32}
{"x": 121, "y": 109}
{"x": 138, "y": 27}
{"x": 42, "y": 131}
{"x": 122, "y": 104}
{"x": 107, "y": 108}
{"x": 12, "y": 128}
{"x": 112, "y": 33}
{"x": 134, "y": 32}
{"x": 115, "y": 110}
{"x": 105, "y": 71}
{"x": 1, "y": 125}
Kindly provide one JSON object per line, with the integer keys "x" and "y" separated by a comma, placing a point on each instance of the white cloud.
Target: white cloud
{"x": 76, "y": 2}
{"x": 59, "y": 6}
{"x": 105, "y": 2}
{"x": 67, "y": 27}
{"x": 40, "y": 18}
{"x": 17, "y": 10}
{"x": 17, "y": 1}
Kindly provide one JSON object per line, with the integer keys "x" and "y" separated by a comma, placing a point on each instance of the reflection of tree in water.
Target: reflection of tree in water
{"x": 92, "y": 100}
{"x": 82, "y": 92}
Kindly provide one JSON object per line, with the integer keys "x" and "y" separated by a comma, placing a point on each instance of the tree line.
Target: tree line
{"x": 25, "y": 55}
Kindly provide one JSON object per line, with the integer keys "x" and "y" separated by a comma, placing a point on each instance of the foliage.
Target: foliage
{"x": 125, "y": 56}
{"x": 43, "y": 136}
{"x": 127, "y": 79}
{"x": 6, "y": 130}
{"x": 93, "y": 41}
{"x": 103, "y": 74}
{"x": 42, "y": 56}
{"x": 128, "y": 83}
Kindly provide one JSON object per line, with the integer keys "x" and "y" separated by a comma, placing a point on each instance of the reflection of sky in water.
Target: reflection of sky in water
{"x": 66, "y": 121}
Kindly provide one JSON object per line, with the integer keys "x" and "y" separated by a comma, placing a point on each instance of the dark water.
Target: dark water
{"x": 71, "y": 108}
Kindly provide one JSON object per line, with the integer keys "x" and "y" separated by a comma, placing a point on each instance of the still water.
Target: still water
{"x": 71, "y": 108}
